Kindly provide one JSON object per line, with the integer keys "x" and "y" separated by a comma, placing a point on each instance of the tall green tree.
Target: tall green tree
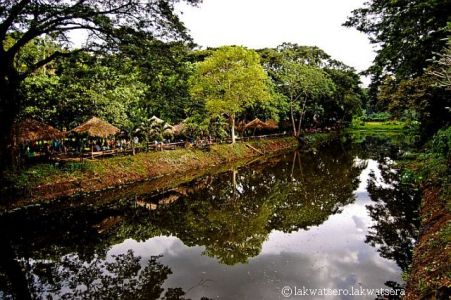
{"x": 165, "y": 68}
{"x": 84, "y": 87}
{"x": 230, "y": 80}
{"x": 303, "y": 84}
{"x": 329, "y": 106}
{"x": 109, "y": 23}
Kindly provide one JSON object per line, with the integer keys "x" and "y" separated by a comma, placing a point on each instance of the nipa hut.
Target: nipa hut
{"x": 31, "y": 130}
{"x": 96, "y": 127}
{"x": 178, "y": 129}
{"x": 271, "y": 124}
{"x": 256, "y": 124}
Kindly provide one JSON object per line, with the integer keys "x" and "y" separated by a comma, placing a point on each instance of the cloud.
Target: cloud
{"x": 268, "y": 23}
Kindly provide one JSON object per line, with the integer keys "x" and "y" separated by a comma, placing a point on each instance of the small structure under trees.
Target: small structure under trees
{"x": 96, "y": 128}
{"x": 31, "y": 130}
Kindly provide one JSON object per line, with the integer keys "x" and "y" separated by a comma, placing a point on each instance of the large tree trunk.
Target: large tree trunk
{"x": 233, "y": 128}
{"x": 9, "y": 110}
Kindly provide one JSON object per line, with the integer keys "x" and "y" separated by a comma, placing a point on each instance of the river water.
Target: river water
{"x": 336, "y": 221}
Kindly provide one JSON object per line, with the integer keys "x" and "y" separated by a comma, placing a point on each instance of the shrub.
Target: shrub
{"x": 441, "y": 142}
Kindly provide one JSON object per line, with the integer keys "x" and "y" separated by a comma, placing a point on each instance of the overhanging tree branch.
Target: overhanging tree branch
{"x": 14, "y": 12}
{"x": 48, "y": 59}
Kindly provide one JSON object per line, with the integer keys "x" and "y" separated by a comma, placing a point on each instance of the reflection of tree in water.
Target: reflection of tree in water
{"x": 321, "y": 186}
{"x": 382, "y": 145}
{"x": 233, "y": 213}
{"x": 63, "y": 254}
{"x": 396, "y": 216}
{"x": 122, "y": 277}
{"x": 230, "y": 214}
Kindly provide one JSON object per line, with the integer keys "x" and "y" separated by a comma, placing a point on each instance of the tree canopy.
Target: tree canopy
{"x": 230, "y": 80}
{"x": 110, "y": 25}
{"x": 408, "y": 33}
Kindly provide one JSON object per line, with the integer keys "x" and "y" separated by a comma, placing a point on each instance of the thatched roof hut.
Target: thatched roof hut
{"x": 178, "y": 129}
{"x": 272, "y": 124}
{"x": 96, "y": 127}
{"x": 256, "y": 124}
{"x": 31, "y": 130}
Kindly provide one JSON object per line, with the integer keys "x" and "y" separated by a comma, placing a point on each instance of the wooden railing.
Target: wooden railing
{"x": 203, "y": 144}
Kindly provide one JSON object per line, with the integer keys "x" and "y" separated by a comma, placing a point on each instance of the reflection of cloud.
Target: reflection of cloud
{"x": 155, "y": 246}
{"x": 372, "y": 166}
{"x": 359, "y": 223}
{"x": 331, "y": 255}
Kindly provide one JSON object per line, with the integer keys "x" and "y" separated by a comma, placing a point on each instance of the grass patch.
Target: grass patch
{"x": 378, "y": 126}
{"x": 140, "y": 166}
{"x": 316, "y": 139}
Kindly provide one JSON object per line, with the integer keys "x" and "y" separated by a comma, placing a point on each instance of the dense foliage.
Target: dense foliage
{"x": 139, "y": 62}
{"x": 409, "y": 73}
{"x": 178, "y": 84}
{"x": 111, "y": 26}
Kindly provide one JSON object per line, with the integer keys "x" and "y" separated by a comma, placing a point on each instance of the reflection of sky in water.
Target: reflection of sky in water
{"x": 332, "y": 255}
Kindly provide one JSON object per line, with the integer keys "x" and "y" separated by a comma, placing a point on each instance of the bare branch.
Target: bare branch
{"x": 14, "y": 12}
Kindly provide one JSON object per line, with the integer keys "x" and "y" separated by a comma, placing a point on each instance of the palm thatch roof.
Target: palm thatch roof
{"x": 31, "y": 130}
{"x": 178, "y": 128}
{"x": 256, "y": 124}
{"x": 272, "y": 124}
{"x": 96, "y": 127}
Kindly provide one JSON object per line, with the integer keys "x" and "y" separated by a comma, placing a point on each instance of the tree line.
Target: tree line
{"x": 139, "y": 61}
{"x": 410, "y": 76}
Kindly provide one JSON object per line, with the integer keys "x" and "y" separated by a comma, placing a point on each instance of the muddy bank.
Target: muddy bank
{"x": 45, "y": 182}
{"x": 430, "y": 274}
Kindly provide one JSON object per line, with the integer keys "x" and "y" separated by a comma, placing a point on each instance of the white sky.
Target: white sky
{"x": 269, "y": 23}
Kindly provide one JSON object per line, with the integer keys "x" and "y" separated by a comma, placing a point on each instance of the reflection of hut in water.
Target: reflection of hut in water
{"x": 146, "y": 205}
{"x": 31, "y": 130}
{"x": 169, "y": 199}
{"x": 108, "y": 223}
{"x": 156, "y": 201}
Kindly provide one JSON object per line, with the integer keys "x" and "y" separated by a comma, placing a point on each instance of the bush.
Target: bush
{"x": 376, "y": 117}
{"x": 441, "y": 142}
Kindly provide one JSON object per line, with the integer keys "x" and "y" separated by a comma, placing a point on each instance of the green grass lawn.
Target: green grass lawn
{"x": 379, "y": 126}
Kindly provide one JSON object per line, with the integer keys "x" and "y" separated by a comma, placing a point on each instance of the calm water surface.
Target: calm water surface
{"x": 337, "y": 218}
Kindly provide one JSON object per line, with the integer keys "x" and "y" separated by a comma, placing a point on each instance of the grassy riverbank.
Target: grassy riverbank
{"x": 378, "y": 126}
{"x": 430, "y": 170}
{"x": 48, "y": 181}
